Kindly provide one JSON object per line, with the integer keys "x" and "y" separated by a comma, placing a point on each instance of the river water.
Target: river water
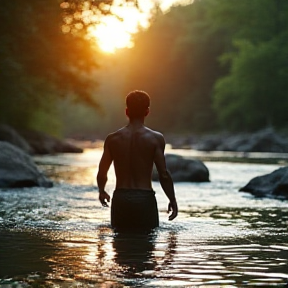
{"x": 61, "y": 236}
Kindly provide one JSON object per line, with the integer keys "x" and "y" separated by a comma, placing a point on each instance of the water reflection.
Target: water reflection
{"x": 163, "y": 258}
{"x": 85, "y": 257}
{"x": 221, "y": 237}
{"x": 134, "y": 252}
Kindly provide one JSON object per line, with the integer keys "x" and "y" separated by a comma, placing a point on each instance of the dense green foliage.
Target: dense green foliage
{"x": 176, "y": 62}
{"x": 255, "y": 92}
{"x": 39, "y": 64}
{"x": 215, "y": 64}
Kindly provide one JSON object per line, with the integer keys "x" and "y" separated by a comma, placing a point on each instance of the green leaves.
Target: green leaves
{"x": 39, "y": 63}
{"x": 253, "y": 94}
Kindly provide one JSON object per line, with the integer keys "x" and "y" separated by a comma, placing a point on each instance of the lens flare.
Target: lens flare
{"x": 115, "y": 30}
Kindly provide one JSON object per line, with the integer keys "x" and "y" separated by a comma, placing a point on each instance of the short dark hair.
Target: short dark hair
{"x": 137, "y": 103}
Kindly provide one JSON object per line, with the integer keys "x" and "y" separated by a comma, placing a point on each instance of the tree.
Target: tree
{"x": 254, "y": 93}
{"x": 39, "y": 63}
{"x": 176, "y": 62}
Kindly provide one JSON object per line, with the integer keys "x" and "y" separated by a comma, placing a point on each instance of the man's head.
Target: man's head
{"x": 137, "y": 103}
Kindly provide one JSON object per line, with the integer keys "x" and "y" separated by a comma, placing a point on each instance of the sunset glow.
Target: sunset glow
{"x": 115, "y": 29}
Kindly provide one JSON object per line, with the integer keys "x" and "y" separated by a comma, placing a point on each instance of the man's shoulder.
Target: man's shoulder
{"x": 154, "y": 132}
{"x": 115, "y": 135}
{"x": 120, "y": 134}
{"x": 158, "y": 136}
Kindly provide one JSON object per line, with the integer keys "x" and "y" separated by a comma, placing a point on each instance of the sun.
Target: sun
{"x": 116, "y": 30}
{"x": 111, "y": 35}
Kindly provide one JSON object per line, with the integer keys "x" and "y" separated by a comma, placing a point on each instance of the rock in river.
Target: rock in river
{"x": 269, "y": 185}
{"x": 9, "y": 134}
{"x": 43, "y": 143}
{"x": 184, "y": 170}
{"x": 17, "y": 169}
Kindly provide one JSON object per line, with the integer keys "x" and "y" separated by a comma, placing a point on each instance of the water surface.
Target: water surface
{"x": 61, "y": 237}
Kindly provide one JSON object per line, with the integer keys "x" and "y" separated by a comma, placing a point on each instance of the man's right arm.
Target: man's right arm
{"x": 165, "y": 177}
{"x": 104, "y": 166}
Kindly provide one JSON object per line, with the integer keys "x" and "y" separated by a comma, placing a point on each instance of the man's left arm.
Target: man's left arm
{"x": 102, "y": 178}
{"x": 165, "y": 177}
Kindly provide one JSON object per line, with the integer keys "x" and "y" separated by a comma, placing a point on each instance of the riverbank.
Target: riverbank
{"x": 234, "y": 157}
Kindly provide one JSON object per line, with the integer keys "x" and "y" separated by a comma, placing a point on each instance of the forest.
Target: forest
{"x": 213, "y": 65}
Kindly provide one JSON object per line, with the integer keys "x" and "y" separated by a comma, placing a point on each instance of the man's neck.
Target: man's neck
{"x": 136, "y": 122}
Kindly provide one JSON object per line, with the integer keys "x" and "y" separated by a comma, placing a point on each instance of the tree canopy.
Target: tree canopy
{"x": 254, "y": 92}
{"x": 39, "y": 63}
{"x": 215, "y": 64}
{"x": 176, "y": 62}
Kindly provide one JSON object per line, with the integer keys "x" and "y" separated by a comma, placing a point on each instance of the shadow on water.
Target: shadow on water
{"x": 23, "y": 252}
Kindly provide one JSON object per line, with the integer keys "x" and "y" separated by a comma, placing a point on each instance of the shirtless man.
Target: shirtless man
{"x": 134, "y": 149}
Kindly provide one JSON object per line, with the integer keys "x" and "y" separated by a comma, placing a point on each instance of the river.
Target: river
{"x": 61, "y": 237}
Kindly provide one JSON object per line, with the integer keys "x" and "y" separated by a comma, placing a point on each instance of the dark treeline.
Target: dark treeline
{"x": 40, "y": 65}
{"x": 208, "y": 66}
{"x": 216, "y": 64}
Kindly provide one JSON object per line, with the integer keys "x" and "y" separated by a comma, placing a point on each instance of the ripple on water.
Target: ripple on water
{"x": 220, "y": 238}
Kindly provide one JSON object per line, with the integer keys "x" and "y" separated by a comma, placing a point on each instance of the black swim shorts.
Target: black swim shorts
{"x": 134, "y": 209}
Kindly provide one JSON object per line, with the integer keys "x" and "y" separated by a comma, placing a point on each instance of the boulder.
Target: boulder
{"x": 10, "y": 135}
{"x": 181, "y": 141}
{"x": 266, "y": 140}
{"x": 17, "y": 169}
{"x": 36, "y": 142}
{"x": 238, "y": 143}
{"x": 274, "y": 184}
{"x": 184, "y": 170}
{"x": 209, "y": 142}
{"x": 46, "y": 144}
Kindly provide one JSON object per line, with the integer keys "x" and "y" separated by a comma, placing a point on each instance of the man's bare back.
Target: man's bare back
{"x": 134, "y": 149}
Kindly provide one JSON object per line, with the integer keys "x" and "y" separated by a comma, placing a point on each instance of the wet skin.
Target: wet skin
{"x": 133, "y": 150}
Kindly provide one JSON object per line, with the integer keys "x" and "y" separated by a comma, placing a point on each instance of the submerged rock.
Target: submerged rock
{"x": 17, "y": 169}
{"x": 184, "y": 170}
{"x": 269, "y": 185}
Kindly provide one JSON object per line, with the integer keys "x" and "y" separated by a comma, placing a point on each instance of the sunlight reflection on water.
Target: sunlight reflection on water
{"x": 61, "y": 237}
